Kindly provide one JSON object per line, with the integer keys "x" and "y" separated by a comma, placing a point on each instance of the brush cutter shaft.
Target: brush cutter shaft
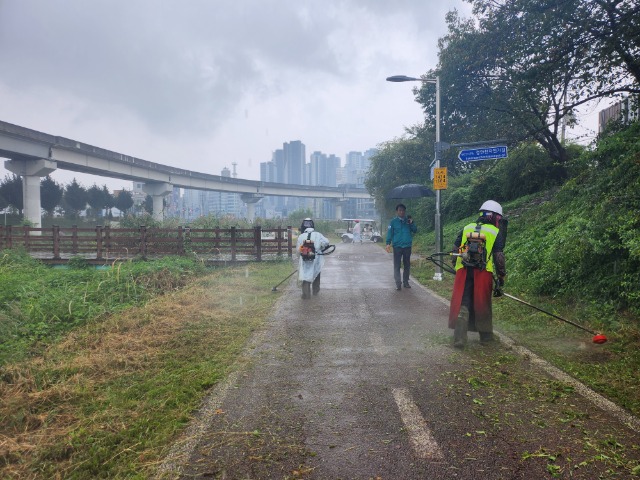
{"x": 287, "y": 277}
{"x": 548, "y": 313}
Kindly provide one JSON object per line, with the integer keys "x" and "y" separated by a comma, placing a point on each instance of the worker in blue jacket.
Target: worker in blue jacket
{"x": 400, "y": 235}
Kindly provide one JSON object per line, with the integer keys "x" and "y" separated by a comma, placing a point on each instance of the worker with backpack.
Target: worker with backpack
{"x": 311, "y": 247}
{"x": 478, "y": 254}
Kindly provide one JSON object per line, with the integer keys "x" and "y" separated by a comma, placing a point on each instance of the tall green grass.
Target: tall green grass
{"x": 106, "y": 390}
{"x": 38, "y": 304}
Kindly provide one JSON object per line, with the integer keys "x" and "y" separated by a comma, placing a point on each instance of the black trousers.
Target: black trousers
{"x": 401, "y": 255}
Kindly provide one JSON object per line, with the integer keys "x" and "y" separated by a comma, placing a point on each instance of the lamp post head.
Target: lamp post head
{"x": 402, "y": 78}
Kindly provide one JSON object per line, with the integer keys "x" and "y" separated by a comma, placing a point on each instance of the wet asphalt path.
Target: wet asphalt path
{"x": 360, "y": 382}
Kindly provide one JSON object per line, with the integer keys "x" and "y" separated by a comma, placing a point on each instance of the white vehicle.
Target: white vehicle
{"x": 370, "y": 231}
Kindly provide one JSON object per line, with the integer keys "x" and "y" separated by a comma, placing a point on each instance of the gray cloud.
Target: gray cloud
{"x": 221, "y": 79}
{"x": 173, "y": 63}
{"x": 181, "y": 63}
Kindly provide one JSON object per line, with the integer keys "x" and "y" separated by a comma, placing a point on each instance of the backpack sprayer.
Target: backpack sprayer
{"x": 467, "y": 257}
{"x": 308, "y": 253}
{"x": 308, "y": 250}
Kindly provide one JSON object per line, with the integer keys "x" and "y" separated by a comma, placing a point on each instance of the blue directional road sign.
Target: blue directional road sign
{"x": 487, "y": 153}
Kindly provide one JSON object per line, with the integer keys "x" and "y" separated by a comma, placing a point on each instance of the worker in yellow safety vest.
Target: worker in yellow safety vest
{"x": 479, "y": 255}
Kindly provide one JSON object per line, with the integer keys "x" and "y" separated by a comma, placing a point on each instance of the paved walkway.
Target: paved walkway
{"x": 361, "y": 382}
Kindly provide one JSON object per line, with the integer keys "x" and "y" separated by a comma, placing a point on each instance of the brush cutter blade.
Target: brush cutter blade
{"x": 599, "y": 339}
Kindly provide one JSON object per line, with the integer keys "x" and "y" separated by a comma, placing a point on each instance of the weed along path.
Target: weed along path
{"x": 361, "y": 382}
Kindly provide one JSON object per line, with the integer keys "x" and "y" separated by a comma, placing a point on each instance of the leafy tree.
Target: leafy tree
{"x": 148, "y": 204}
{"x": 96, "y": 199}
{"x": 606, "y": 32}
{"x": 50, "y": 194}
{"x": 529, "y": 169}
{"x": 522, "y": 66}
{"x": 11, "y": 191}
{"x": 123, "y": 201}
{"x": 400, "y": 161}
{"x": 109, "y": 200}
{"x": 613, "y": 31}
{"x": 75, "y": 198}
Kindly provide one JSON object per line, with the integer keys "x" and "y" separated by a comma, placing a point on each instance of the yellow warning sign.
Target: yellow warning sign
{"x": 440, "y": 178}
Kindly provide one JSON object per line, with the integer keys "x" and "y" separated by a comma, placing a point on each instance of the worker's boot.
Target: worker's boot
{"x": 486, "y": 338}
{"x": 462, "y": 325}
{"x": 306, "y": 289}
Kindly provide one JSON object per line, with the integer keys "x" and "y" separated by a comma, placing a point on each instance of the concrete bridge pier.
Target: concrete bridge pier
{"x": 250, "y": 199}
{"x": 31, "y": 171}
{"x": 158, "y": 191}
{"x": 339, "y": 204}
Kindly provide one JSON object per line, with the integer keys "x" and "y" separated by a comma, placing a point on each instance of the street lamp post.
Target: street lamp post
{"x": 437, "y": 153}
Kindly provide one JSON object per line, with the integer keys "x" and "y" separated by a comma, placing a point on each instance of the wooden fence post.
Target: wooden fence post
{"x": 143, "y": 241}
{"x": 74, "y": 239}
{"x": 107, "y": 239}
{"x": 257, "y": 238}
{"x": 99, "y": 242}
{"x": 180, "y": 243}
{"x": 26, "y": 232}
{"x": 290, "y": 240}
{"x": 233, "y": 244}
{"x": 56, "y": 241}
{"x": 280, "y": 238}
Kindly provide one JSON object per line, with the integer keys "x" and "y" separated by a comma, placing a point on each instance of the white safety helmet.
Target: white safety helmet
{"x": 307, "y": 223}
{"x": 491, "y": 206}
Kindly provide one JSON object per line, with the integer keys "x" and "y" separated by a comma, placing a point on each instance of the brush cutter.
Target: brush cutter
{"x": 438, "y": 259}
{"x": 598, "y": 338}
{"x": 329, "y": 249}
{"x": 287, "y": 277}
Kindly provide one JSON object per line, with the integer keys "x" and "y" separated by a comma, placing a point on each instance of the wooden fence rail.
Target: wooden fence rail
{"x": 103, "y": 244}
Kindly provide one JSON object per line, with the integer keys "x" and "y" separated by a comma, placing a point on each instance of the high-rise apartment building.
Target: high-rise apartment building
{"x": 354, "y": 167}
{"x": 268, "y": 172}
{"x": 281, "y": 166}
{"x": 295, "y": 159}
{"x": 322, "y": 168}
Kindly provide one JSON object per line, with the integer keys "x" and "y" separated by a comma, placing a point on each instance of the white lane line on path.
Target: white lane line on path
{"x": 423, "y": 443}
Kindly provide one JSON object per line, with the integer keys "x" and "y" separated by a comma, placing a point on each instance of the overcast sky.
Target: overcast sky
{"x": 200, "y": 84}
